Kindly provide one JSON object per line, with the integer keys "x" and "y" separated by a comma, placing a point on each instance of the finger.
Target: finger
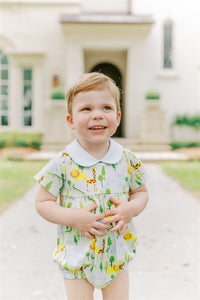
{"x": 91, "y": 207}
{"x": 89, "y": 236}
{"x": 123, "y": 229}
{"x": 112, "y": 219}
{"x": 110, "y": 212}
{"x": 102, "y": 226}
{"x": 94, "y": 232}
{"x": 99, "y": 217}
{"x": 118, "y": 226}
{"x": 115, "y": 201}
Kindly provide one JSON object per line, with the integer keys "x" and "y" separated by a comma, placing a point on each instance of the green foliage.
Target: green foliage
{"x": 152, "y": 95}
{"x": 20, "y": 139}
{"x": 12, "y": 185}
{"x": 58, "y": 93}
{"x": 188, "y": 173}
{"x": 184, "y": 144}
{"x": 2, "y": 144}
{"x": 192, "y": 120}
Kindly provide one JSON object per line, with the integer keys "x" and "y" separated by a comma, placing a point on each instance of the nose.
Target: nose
{"x": 97, "y": 114}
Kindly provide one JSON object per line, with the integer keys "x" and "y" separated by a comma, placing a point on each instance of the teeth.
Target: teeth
{"x": 97, "y": 127}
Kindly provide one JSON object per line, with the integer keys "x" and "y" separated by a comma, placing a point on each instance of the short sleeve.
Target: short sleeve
{"x": 137, "y": 171}
{"x": 52, "y": 176}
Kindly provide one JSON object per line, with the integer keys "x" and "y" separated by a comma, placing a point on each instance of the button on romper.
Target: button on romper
{"x": 77, "y": 179}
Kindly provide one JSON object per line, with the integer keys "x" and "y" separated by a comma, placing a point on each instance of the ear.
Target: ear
{"x": 70, "y": 121}
{"x": 118, "y": 118}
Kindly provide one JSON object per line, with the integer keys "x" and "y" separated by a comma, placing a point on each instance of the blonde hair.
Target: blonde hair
{"x": 93, "y": 81}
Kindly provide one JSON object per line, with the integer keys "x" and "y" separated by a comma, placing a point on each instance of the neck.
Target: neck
{"x": 96, "y": 150}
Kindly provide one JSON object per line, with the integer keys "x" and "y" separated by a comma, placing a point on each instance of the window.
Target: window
{"x": 27, "y": 97}
{"x": 168, "y": 45}
{"x": 4, "y": 90}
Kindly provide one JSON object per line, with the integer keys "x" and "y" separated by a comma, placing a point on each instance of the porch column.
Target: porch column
{"x": 131, "y": 118}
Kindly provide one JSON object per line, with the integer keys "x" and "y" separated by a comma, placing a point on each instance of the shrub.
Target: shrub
{"x": 20, "y": 139}
{"x": 184, "y": 144}
{"x": 193, "y": 120}
{"x": 58, "y": 93}
{"x": 152, "y": 95}
{"x": 2, "y": 144}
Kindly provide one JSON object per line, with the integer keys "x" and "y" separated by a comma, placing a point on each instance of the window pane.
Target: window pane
{"x": 4, "y": 90}
{"x": 27, "y": 74}
{"x": 27, "y": 105}
{"x": 27, "y": 120}
{"x": 4, "y": 60}
{"x": 167, "y": 63}
{"x": 4, "y": 105}
{"x": 27, "y": 91}
{"x": 4, "y": 120}
{"x": 4, "y": 74}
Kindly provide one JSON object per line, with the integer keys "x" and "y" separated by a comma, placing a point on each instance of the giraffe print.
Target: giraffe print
{"x": 92, "y": 181}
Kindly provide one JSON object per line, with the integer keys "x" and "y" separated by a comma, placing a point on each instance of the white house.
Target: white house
{"x": 141, "y": 44}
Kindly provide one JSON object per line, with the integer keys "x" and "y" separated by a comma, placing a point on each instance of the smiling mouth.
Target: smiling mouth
{"x": 97, "y": 128}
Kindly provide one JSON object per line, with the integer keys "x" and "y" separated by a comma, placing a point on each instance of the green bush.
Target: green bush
{"x": 193, "y": 120}
{"x": 58, "y": 93}
{"x": 184, "y": 144}
{"x": 20, "y": 139}
{"x": 2, "y": 144}
{"x": 152, "y": 95}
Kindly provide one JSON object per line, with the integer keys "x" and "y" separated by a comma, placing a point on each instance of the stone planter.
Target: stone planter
{"x": 153, "y": 127}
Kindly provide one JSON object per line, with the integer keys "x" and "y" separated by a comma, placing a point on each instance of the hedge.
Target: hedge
{"x": 184, "y": 144}
{"x": 20, "y": 139}
{"x": 193, "y": 120}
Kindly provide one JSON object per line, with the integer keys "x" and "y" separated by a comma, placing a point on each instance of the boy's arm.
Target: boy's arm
{"x": 82, "y": 219}
{"x": 125, "y": 211}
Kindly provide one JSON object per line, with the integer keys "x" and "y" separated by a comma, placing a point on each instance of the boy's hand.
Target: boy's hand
{"x": 121, "y": 214}
{"x": 88, "y": 223}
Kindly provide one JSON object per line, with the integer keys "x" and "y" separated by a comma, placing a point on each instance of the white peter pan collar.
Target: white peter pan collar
{"x": 83, "y": 158}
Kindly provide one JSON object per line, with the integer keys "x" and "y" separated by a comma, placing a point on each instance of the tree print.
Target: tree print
{"x": 109, "y": 203}
{"x": 69, "y": 205}
{"x": 48, "y": 186}
{"x": 88, "y": 255}
{"x": 112, "y": 259}
{"x": 109, "y": 241}
{"x": 106, "y": 266}
{"x": 101, "y": 266}
{"x": 75, "y": 240}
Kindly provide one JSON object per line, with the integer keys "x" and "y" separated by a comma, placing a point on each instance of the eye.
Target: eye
{"x": 86, "y": 109}
{"x": 107, "y": 107}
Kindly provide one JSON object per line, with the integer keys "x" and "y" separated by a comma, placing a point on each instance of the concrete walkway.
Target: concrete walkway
{"x": 167, "y": 264}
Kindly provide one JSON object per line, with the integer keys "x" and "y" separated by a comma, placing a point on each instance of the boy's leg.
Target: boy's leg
{"x": 118, "y": 288}
{"x": 79, "y": 289}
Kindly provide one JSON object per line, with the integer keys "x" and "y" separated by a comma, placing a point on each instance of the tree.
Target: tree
{"x": 88, "y": 255}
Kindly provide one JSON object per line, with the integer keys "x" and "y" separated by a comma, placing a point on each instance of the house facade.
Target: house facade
{"x": 143, "y": 45}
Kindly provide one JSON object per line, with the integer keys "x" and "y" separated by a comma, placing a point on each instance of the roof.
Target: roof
{"x": 106, "y": 19}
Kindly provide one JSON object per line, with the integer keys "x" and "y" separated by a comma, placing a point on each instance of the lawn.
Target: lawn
{"x": 15, "y": 179}
{"x": 188, "y": 173}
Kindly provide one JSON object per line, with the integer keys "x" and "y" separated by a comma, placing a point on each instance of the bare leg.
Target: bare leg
{"x": 118, "y": 288}
{"x": 79, "y": 289}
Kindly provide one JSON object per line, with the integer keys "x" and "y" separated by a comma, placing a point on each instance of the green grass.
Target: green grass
{"x": 188, "y": 173}
{"x": 15, "y": 179}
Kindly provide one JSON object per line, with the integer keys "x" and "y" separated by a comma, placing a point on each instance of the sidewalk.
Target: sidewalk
{"x": 167, "y": 264}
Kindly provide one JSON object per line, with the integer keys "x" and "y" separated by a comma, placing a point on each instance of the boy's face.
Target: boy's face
{"x": 94, "y": 116}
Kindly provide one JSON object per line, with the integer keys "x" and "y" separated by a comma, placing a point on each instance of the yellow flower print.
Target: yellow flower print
{"x": 94, "y": 247}
{"x": 60, "y": 249}
{"x": 129, "y": 169}
{"x": 129, "y": 236}
{"x": 114, "y": 269}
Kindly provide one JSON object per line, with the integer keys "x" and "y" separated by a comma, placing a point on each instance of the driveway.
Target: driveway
{"x": 167, "y": 264}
